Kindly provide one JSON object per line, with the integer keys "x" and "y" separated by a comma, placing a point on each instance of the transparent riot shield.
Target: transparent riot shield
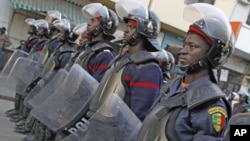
{"x": 65, "y": 107}
{"x": 35, "y": 56}
{"x": 114, "y": 121}
{"x": 45, "y": 87}
{"x": 22, "y": 74}
{"x": 8, "y": 66}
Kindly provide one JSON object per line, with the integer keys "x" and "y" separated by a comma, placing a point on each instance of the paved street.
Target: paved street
{"x": 7, "y": 127}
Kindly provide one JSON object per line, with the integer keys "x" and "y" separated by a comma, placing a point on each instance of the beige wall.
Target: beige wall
{"x": 171, "y": 11}
{"x": 18, "y": 27}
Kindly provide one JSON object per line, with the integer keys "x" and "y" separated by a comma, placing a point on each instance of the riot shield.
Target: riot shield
{"x": 114, "y": 121}
{"x": 65, "y": 107}
{"x": 45, "y": 87}
{"x": 22, "y": 74}
{"x": 35, "y": 56}
{"x": 8, "y": 66}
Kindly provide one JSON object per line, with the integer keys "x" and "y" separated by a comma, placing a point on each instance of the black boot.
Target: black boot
{"x": 16, "y": 118}
{"x": 29, "y": 137}
{"x": 20, "y": 123}
{"x": 23, "y": 130}
{"x": 12, "y": 113}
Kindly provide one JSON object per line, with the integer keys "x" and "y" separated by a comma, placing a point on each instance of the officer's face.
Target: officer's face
{"x": 40, "y": 30}
{"x": 194, "y": 47}
{"x": 61, "y": 34}
{"x": 92, "y": 24}
{"x": 129, "y": 31}
{"x": 30, "y": 29}
{"x": 83, "y": 40}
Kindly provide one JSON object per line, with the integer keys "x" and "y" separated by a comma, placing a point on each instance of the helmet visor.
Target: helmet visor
{"x": 30, "y": 21}
{"x": 216, "y": 22}
{"x": 95, "y": 10}
{"x": 62, "y": 24}
{"x": 79, "y": 29}
{"x": 126, "y": 8}
{"x": 54, "y": 15}
{"x": 42, "y": 23}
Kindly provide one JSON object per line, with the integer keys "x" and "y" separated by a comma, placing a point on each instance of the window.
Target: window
{"x": 199, "y": 1}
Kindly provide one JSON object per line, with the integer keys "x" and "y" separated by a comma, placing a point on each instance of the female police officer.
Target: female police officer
{"x": 192, "y": 107}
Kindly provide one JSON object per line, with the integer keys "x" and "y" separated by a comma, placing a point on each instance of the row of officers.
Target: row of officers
{"x": 87, "y": 91}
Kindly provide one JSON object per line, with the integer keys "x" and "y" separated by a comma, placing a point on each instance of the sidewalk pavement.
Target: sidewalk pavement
{"x": 6, "y": 126}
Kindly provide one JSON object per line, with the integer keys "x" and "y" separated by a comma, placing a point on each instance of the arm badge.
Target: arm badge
{"x": 218, "y": 116}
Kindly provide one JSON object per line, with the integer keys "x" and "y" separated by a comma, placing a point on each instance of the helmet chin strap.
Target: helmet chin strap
{"x": 133, "y": 40}
{"x": 195, "y": 67}
{"x": 95, "y": 32}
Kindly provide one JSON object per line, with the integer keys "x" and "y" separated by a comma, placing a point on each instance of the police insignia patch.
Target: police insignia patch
{"x": 218, "y": 116}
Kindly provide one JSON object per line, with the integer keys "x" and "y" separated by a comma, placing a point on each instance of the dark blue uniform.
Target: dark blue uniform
{"x": 53, "y": 44}
{"x": 98, "y": 64}
{"x": 203, "y": 123}
{"x": 40, "y": 44}
{"x": 136, "y": 78}
{"x": 62, "y": 55}
{"x": 97, "y": 61}
{"x": 142, "y": 84}
{"x": 193, "y": 112}
{"x": 30, "y": 42}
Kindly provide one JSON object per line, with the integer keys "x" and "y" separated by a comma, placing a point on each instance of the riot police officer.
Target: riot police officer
{"x": 129, "y": 75}
{"x": 193, "y": 107}
{"x": 53, "y": 42}
{"x": 32, "y": 38}
{"x": 25, "y": 46}
{"x": 43, "y": 35}
{"x": 80, "y": 31}
{"x": 102, "y": 23}
{"x": 83, "y": 37}
{"x": 34, "y": 53}
{"x": 63, "y": 53}
{"x": 166, "y": 63}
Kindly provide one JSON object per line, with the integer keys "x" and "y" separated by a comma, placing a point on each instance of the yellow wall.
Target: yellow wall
{"x": 171, "y": 11}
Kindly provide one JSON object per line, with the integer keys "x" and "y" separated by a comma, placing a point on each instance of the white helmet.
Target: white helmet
{"x": 243, "y": 92}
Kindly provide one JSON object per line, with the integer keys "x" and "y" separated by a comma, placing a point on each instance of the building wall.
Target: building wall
{"x": 5, "y": 14}
{"x": 18, "y": 27}
{"x": 171, "y": 11}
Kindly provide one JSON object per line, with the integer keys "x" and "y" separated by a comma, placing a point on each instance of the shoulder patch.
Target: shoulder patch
{"x": 218, "y": 116}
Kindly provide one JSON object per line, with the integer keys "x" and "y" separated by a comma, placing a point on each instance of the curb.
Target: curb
{"x": 7, "y": 98}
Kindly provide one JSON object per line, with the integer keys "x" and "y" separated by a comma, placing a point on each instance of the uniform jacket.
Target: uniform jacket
{"x": 206, "y": 122}
{"x": 30, "y": 42}
{"x": 98, "y": 63}
{"x": 62, "y": 55}
{"x": 140, "y": 81}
